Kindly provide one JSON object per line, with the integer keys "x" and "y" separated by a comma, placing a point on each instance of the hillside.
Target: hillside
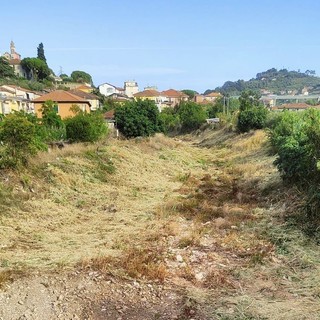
{"x": 274, "y": 81}
{"x": 155, "y": 228}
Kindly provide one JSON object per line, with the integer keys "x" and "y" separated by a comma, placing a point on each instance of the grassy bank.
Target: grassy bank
{"x": 207, "y": 216}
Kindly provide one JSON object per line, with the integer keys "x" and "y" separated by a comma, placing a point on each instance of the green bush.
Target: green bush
{"x": 253, "y": 114}
{"x": 191, "y": 115}
{"x": 296, "y": 139}
{"x": 138, "y": 118}
{"x": 85, "y": 127}
{"x": 170, "y": 121}
{"x": 19, "y": 139}
{"x": 252, "y": 119}
{"x": 52, "y": 127}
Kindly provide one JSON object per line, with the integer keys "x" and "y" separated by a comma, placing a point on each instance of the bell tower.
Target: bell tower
{"x": 12, "y": 48}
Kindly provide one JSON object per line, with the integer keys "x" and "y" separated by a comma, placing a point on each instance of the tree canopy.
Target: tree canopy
{"x": 40, "y": 53}
{"x": 190, "y": 93}
{"x": 81, "y": 77}
{"x": 6, "y": 71}
{"x": 138, "y": 118}
{"x": 252, "y": 113}
{"x": 191, "y": 115}
{"x": 36, "y": 68}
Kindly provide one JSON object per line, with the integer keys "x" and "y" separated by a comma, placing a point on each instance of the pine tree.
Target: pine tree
{"x": 41, "y": 53}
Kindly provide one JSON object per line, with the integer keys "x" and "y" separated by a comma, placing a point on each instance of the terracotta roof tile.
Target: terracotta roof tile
{"x": 84, "y": 95}
{"x": 109, "y": 114}
{"x": 147, "y": 93}
{"x": 214, "y": 94}
{"x": 171, "y": 93}
{"x": 60, "y": 96}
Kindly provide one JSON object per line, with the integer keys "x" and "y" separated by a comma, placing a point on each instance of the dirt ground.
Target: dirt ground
{"x": 155, "y": 229}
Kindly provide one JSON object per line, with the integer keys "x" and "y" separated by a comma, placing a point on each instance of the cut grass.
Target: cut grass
{"x": 210, "y": 221}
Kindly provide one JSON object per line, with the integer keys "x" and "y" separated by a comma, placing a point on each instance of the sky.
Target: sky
{"x": 180, "y": 44}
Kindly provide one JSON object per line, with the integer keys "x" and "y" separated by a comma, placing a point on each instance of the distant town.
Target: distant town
{"x": 65, "y": 92}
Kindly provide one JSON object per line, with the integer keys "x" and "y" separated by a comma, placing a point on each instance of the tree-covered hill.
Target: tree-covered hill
{"x": 274, "y": 81}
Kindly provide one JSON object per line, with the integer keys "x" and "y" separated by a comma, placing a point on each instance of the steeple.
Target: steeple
{"x": 12, "y": 47}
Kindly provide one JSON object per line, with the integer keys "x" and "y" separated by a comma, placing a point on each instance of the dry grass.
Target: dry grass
{"x": 71, "y": 209}
{"x": 134, "y": 208}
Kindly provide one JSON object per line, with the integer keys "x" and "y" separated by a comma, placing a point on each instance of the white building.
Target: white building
{"x": 108, "y": 89}
{"x": 130, "y": 88}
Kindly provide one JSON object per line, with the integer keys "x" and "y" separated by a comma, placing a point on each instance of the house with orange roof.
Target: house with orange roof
{"x": 208, "y": 98}
{"x": 64, "y": 101}
{"x": 173, "y": 97}
{"x": 152, "y": 95}
{"x": 92, "y": 98}
{"x": 84, "y": 88}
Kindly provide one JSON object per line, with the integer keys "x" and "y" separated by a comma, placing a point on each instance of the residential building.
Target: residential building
{"x": 64, "y": 101}
{"x": 152, "y": 95}
{"x": 213, "y": 96}
{"x": 117, "y": 97}
{"x": 109, "y": 117}
{"x": 208, "y": 98}
{"x": 92, "y": 98}
{"x": 108, "y": 89}
{"x": 9, "y": 102}
{"x": 76, "y": 85}
{"x": 85, "y": 88}
{"x": 173, "y": 97}
{"x": 130, "y": 88}
{"x": 14, "y": 98}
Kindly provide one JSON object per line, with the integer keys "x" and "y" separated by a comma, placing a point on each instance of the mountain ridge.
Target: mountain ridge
{"x": 273, "y": 81}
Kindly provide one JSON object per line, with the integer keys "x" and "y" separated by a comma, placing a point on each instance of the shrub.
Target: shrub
{"x": 53, "y": 128}
{"x": 85, "y": 127}
{"x": 19, "y": 139}
{"x": 138, "y": 118}
{"x": 170, "y": 121}
{"x": 296, "y": 139}
{"x": 191, "y": 115}
{"x": 252, "y": 114}
{"x": 254, "y": 118}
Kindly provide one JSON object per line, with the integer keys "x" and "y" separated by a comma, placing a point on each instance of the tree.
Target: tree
{"x": 170, "y": 121}
{"x": 81, "y": 77}
{"x": 191, "y": 115}
{"x": 50, "y": 117}
{"x": 40, "y": 53}
{"x": 252, "y": 113}
{"x": 190, "y": 93}
{"x": 85, "y": 127}
{"x": 217, "y": 107}
{"x": 19, "y": 140}
{"x": 138, "y": 118}
{"x": 37, "y": 69}
{"x": 6, "y": 71}
{"x": 249, "y": 99}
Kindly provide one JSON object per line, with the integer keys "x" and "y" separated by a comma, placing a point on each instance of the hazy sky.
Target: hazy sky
{"x": 194, "y": 44}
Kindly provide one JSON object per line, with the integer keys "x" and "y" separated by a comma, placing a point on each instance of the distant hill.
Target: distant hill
{"x": 274, "y": 81}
